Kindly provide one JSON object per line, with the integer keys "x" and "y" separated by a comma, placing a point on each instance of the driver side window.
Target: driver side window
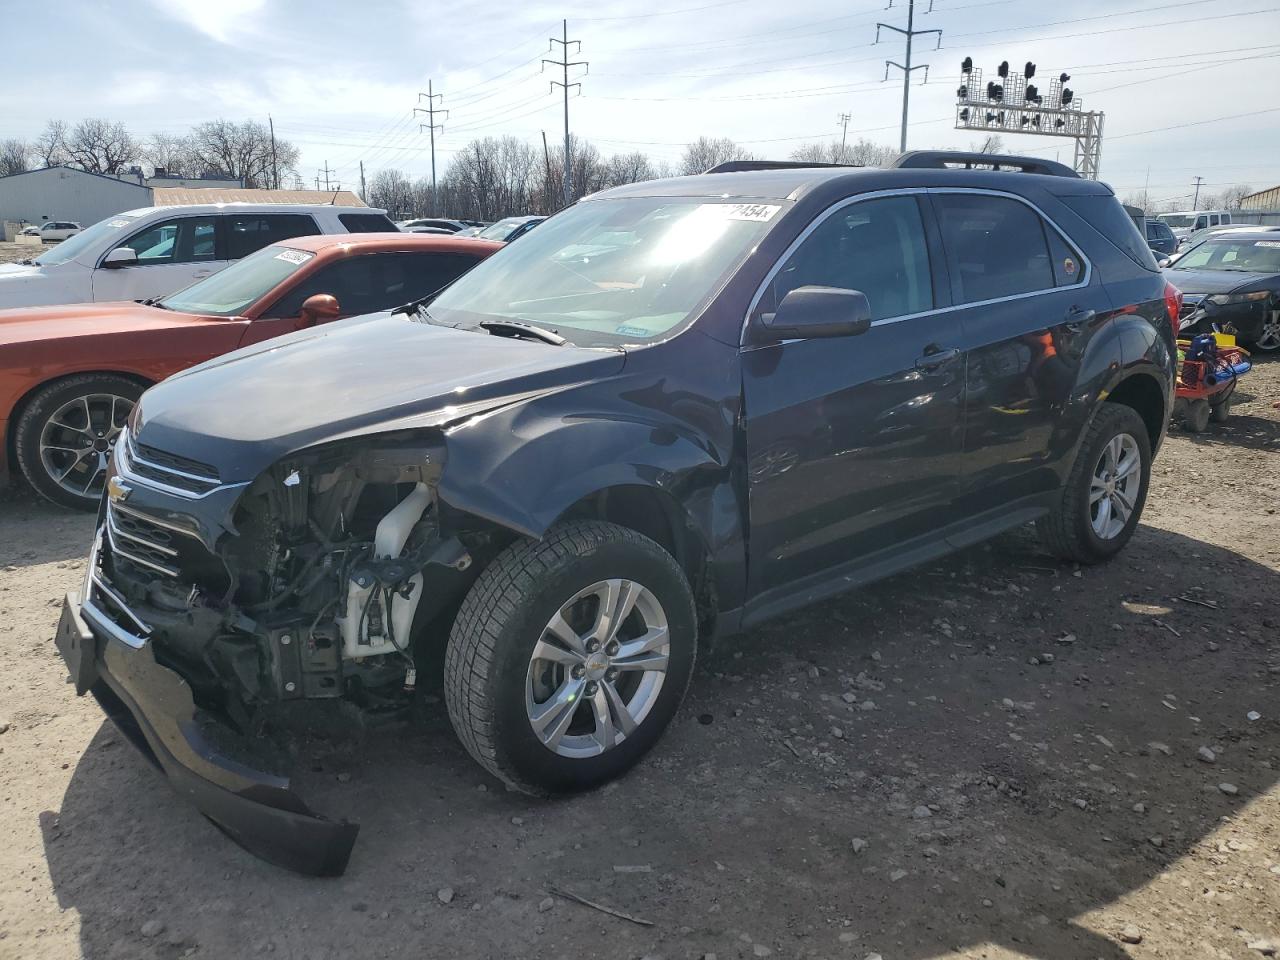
{"x": 181, "y": 240}
{"x": 876, "y": 246}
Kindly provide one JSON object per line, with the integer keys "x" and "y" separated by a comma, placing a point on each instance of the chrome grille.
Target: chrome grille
{"x": 138, "y": 539}
{"x": 1189, "y": 306}
{"x": 179, "y": 474}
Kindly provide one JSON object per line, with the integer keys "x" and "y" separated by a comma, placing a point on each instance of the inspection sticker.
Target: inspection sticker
{"x": 293, "y": 256}
{"x": 1267, "y": 243}
{"x": 118, "y": 223}
{"x": 758, "y": 212}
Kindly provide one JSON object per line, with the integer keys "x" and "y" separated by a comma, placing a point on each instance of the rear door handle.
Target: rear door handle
{"x": 1076, "y": 319}
{"x": 935, "y": 357}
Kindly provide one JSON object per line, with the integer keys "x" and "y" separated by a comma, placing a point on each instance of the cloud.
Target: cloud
{"x": 219, "y": 20}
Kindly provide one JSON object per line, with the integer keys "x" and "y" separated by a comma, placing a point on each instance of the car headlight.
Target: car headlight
{"x": 1224, "y": 299}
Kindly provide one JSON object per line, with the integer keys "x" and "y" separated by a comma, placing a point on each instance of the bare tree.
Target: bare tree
{"x": 633, "y": 167}
{"x": 992, "y": 143}
{"x": 705, "y": 152}
{"x": 1231, "y": 197}
{"x": 173, "y": 155}
{"x": 100, "y": 146}
{"x": 15, "y": 157}
{"x": 863, "y": 153}
{"x": 391, "y": 190}
{"x": 50, "y": 146}
{"x": 243, "y": 150}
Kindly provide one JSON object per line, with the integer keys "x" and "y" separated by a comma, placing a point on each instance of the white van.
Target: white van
{"x": 155, "y": 251}
{"x": 1186, "y": 224}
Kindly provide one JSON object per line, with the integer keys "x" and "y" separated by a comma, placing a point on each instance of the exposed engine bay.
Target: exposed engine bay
{"x": 333, "y": 563}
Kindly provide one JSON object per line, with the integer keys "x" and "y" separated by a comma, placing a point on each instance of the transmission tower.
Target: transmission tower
{"x": 431, "y": 126}
{"x": 910, "y": 33}
{"x": 565, "y": 64}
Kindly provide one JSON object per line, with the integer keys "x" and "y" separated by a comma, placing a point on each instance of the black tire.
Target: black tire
{"x": 504, "y": 616}
{"x": 1196, "y": 417}
{"x": 37, "y": 414}
{"x": 1220, "y": 412}
{"x": 1067, "y": 531}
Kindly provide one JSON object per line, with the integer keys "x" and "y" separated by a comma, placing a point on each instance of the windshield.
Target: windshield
{"x": 229, "y": 292}
{"x": 1178, "y": 220}
{"x": 86, "y": 240}
{"x": 499, "y": 230}
{"x": 611, "y": 271}
{"x": 1244, "y": 256}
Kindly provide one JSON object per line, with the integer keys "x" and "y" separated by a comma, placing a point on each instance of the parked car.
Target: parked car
{"x": 70, "y": 375}
{"x": 1187, "y": 225}
{"x": 508, "y": 229}
{"x": 440, "y": 223}
{"x": 438, "y": 231}
{"x": 154, "y": 251}
{"x": 1160, "y": 238}
{"x": 52, "y": 231}
{"x": 560, "y": 475}
{"x": 1231, "y": 282}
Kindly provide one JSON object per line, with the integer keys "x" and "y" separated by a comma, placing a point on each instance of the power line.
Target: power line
{"x": 662, "y": 13}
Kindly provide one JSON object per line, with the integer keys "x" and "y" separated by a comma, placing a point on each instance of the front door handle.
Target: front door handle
{"x": 935, "y": 357}
{"x": 1076, "y": 319}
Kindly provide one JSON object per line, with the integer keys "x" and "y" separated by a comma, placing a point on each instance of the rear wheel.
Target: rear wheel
{"x": 1102, "y": 500}
{"x": 65, "y": 435}
{"x": 1196, "y": 417}
{"x": 1221, "y": 411}
{"x": 570, "y": 656}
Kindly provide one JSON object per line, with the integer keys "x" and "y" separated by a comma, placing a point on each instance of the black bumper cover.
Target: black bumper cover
{"x": 153, "y": 707}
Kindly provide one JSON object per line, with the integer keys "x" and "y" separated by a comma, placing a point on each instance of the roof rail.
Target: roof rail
{"x": 943, "y": 159}
{"x": 740, "y": 166}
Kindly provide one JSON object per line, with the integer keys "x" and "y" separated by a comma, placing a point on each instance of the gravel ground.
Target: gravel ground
{"x": 995, "y": 756}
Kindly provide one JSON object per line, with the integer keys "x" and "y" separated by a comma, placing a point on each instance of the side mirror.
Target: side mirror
{"x": 808, "y": 312}
{"x": 121, "y": 257}
{"x": 319, "y": 308}
{"x": 1164, "y": 261}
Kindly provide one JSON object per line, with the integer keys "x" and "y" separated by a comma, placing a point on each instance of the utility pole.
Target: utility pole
{"x": 275, "y": 170}
{"x": 565, "y": 64}
{"x": 326, "y": 171}
{"x": 910, "y": 33}
{"x": 843, "y": 119}
{"x": 1195, "y": 204}
{"x": 431, "y": 110}
{"x": 362, "y": 193}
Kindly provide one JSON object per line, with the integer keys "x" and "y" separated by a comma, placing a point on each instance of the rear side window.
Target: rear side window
{"x": 1106, "y": 216}
{"x": 367, "y": 223}
{"x": 376, "y": 281}
{"x": 877, "y": 247}
{"x": 996, "y": 246}
{"x": 250, "y": 232}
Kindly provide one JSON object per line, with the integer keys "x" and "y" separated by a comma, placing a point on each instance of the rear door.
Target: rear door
{"x": 1029, "y": 305}
{"x": 172, "y": 254}
{"x": 250, "y": 232}
{"x": 854, "y": 443}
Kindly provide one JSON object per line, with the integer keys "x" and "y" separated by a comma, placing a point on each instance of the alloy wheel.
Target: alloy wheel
{"x": 1113, "y": 489}
{"x": 76, "y": 441}
{"x": 597, "y": 668}
{"x": 1269, "y": 338}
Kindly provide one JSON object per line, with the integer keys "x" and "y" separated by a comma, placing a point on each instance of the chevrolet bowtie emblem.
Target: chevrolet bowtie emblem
{"x": 117, "y": 492}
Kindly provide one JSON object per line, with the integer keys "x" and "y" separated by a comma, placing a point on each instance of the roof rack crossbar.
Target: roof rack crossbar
{"x": 741, "y": 166}
{"x": 943, "y": 159}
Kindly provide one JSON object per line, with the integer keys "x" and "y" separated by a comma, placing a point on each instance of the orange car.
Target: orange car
{"x": 70, "y": 375}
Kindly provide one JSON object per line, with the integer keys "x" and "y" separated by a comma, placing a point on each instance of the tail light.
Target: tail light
{"x": 1173, "y": 304}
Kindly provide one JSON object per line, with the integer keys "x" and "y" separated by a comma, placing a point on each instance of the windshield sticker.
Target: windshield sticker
{"x": 756, "y": 212}
{"x": 627, "y": 331}
{"x": 1267, "y": 243}
{"x": 293, "y": 256}
{"x": 117, "y": 223}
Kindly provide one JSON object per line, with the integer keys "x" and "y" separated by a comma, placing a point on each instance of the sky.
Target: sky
{"x": 1189, "y": 87}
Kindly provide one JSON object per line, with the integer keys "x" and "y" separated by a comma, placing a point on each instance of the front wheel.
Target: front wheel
{"x": 1102, "y": 500}
{"x": 569, "y": 657}
{"x": 66, "y": 432}
{"x": 1269, "y": 337}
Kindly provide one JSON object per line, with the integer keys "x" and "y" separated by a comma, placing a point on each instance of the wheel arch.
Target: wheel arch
{"x": 1142, "y": 392}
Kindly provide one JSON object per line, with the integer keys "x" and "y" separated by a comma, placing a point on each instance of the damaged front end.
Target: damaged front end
{"x": 209, "y": 610}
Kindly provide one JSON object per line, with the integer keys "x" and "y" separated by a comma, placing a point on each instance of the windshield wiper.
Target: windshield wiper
{"x": 518, "y": 328}
{"x": 419, "y": 306}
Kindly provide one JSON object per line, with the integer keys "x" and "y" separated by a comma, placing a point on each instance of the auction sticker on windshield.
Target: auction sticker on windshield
{"x": 757, "y": 212}
{"x": 1267, "y": 243}
{"x": 294, "y": 256}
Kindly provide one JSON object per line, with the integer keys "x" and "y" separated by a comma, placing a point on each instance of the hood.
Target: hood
{"x": 12, "y": 271}
{"x": 42, "y": 324}
{"x": 1213, "y": 281}
{"x": 244, "y": 411}
{"x": 25, "y": 285}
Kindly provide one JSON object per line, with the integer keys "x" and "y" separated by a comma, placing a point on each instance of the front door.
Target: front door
{"x": 172, "y": 254}
{"x": 854, "y": 443}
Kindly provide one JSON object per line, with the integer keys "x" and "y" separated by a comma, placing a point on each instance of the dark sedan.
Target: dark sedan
{"x": 1231, "y": 281}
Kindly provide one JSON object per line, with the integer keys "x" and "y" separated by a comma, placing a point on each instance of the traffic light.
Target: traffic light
{"x": 964, "y": 115}
{"x": 995, "y": 91}
{"x": 1067, "y": 96}
{"x": 1029, "y": 70}
{"x": 1033, "y": 95}
{"x": 1003, "y": 69}
{"x": 966, "y": 65}
{"x": 963, "y": 92}
{"x": 1064, "y": 78}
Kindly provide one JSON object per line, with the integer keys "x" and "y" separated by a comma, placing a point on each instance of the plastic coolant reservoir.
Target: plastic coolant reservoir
{"x": 388, "y": 543}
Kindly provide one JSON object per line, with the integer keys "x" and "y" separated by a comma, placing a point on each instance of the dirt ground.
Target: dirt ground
{"x": 995, "y": 756}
